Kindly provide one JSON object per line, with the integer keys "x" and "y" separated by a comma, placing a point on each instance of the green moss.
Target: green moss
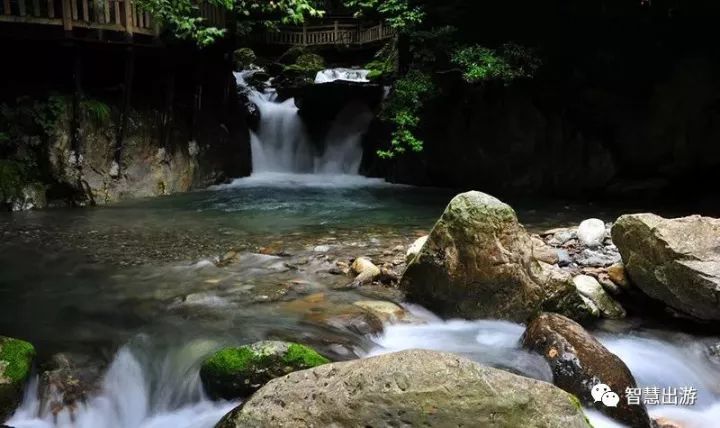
{"x": 18, "y": 355}
{"x": 575, "y": 402}
{"x": 244, "y": 58}
{"x": 303, "y": 356}
{"x": 307, "y": 64}
{"x": 230, "y": 360}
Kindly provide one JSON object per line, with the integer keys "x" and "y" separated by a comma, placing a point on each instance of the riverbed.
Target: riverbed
{"x": 146, "y": 289}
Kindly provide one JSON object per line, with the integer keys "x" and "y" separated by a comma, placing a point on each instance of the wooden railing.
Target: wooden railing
{"x": 334, "y": 34}
{"x": 113, "y": 15}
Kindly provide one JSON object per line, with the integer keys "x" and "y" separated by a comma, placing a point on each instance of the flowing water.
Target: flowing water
{"x": 145, "y": 290}
{"x": 282, "y": 143}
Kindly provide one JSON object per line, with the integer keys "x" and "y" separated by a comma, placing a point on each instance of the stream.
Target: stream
{"x": 142, "y": 291}
{"x": 149, "y": 318}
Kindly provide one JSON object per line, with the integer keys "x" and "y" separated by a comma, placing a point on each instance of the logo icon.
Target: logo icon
{"x": 605, "y": 395}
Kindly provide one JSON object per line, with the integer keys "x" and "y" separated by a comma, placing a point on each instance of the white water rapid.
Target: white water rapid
{"x": 282, "y": 145}
{"x": 655, "y": 358}
{"x": 346, "y": 74}
{"x": 139, "y": 390}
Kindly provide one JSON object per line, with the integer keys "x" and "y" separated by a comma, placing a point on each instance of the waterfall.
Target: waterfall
{"x": 282, "y": 144}
{"x": 141, "y": 389}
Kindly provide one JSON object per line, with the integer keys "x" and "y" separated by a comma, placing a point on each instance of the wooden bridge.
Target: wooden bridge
{"x": 122, "y": 16}
{"x": 335, "y": 33}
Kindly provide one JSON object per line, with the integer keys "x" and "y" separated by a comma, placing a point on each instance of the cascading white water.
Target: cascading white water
{"x": 346, "y": 74}
{"x": 655, "y": 359}
{"x": 282, "y": 145}
{"x": 139, "y": 390}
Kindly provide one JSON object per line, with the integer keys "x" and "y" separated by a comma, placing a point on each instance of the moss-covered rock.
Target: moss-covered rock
{"x": 243, "y": 58}
{"x": 238, "y": 372}
{"x": 307, "y": 64}
{"x": 16, "y": 358}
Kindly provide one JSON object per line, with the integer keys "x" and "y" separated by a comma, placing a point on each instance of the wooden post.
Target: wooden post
{"x": 336, "y": 35}
{"x": 85, "y": 11}
{"x": 36, "y": 8}
{"x": 304, "y": 41}
{"x": 51, "y": 9}
{"x": 6, "y": 7}
{"x": 380, "y": 31}
{"x": 67, "y": 15}
{"x": 21, "y": 7}
{"x": 128, "y": 18}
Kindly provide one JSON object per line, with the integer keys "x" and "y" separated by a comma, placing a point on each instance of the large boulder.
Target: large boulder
{"x": 409, "y": 388}
{"x": 579, "y": 362}
{"x": 238, "y": 372}
{"x": 16, "y": 358}
{"x": 676, "y": 261}
{"x": 478, "y": 263}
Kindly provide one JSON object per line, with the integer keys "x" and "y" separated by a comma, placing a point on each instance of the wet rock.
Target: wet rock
{"x": 609, "y": 286}
{"x": 561, "y": 237}
{"x": 666, "y": 423}
{"x": 365, "y": 270}
{"x": 409, "y": 388}
{"x": 591, "y": 289}
{"x": 676, "y": 261}
{"x": 387, "y": 312}
{"x": 67, "y": 382}
{"x": 564, "y": 258}
{"x": 597, "y": 258}
{"x": 617, "y": 275}
{"x": 571, "y": 304}
{"x": 238, "y": 372}
{"x": 16, "y": 359}
{"x": 591, "y": 232}
{"x": 579, "y": 362}
{"x": 544, "y": 252}
{"x": 345, "y": 317}
{"x": 415, "y": 248}
{"x": 478, "y": 263}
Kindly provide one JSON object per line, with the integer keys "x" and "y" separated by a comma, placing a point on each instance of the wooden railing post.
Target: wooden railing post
{"x": 67, "y": 15}
{"x": 128, "y": 18}
{"x": 304, "y": 40}
{"x": 336, "y": 34}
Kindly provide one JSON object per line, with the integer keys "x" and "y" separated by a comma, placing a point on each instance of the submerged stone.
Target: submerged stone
{"x": 238, "y": 372}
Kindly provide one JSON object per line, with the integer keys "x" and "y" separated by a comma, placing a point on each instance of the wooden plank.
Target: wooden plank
{"x": 51, "y": 8}
{"x": 30, "y": 20}
{"x": 6, "y": 7}
{"x": 117, "y": 20}
{"x": 85, "y": 11}
{"x": 36, "y": 8}
{"x": 21, "y": 8}
{"x": 74, "y": 10}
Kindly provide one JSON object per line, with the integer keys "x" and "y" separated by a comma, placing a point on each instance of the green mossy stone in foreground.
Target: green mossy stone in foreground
{"x": 16, "y": 357}
{"x": 238, "y": 372}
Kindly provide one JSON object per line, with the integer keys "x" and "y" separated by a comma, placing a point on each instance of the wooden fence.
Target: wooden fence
{"x": 333, "y": 34}
{"x": 113, "y": 15}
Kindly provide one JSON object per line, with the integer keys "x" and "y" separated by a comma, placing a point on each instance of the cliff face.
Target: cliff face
{"x": 566, "y": 137}
{"x": 184, "y": 131}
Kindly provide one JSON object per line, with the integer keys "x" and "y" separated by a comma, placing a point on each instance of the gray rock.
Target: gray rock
{"x": 676, "y": 261}
{"x": 591, "y": 232}
{"x": 478, "y": 263}
{"x": 409, "y": 388}
{"x": 415, "y": 248}
{"x": 597, "y": 258}
{"x": 590, "y": 288}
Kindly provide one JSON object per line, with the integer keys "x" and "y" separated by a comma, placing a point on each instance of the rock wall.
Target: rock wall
{"x": 567, "y": 132}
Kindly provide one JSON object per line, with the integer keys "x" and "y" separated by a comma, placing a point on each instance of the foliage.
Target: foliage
{"x": 182, "y": 18}
{"x": 510, "y": 62}
{"x": 383, "y": 65}
{"x": 268, "y": 14}
{"x": 13, "y": 176}
{"x": 402, "y": 15}
{"x": 402, "y": 108}
{"x": 431, "y": 48}
{"x": 96, "y": 110}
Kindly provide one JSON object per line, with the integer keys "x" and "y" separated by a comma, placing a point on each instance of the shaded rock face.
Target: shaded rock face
{"x": 238, "y": 372}
{"x": 579, "y": 362}
{"x": 67, "y": 382}
{"x": 676, "y": 261}
{"x": 478, "y": 263}
{"x": 16, "y": 358}
{"x": 410, "y": 388}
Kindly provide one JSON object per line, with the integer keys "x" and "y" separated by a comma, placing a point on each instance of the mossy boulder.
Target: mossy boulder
{"x": 238, "y": 372}
{"x": 478, "y": 262}
{"x": 307, "y": 64}
{"x": 243, "y": 58}
{"x": 410, "y": 388}
{"x": 16, "y": 358}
